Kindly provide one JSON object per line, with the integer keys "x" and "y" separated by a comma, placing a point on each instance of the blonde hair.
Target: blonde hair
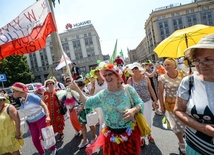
{"x": 172, "y": 60}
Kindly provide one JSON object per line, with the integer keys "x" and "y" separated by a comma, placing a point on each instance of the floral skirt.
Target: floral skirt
{"x": 124, "y": 143}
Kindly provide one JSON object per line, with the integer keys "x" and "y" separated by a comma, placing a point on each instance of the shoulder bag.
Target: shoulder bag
{"x": 140, "y": 119}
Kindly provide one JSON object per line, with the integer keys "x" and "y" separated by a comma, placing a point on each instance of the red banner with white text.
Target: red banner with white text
{"x": 28, "y": 32}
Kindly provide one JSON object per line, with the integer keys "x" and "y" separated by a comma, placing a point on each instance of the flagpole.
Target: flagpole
{"x": 57, "y": 43}
{"x": 63, "y": 54}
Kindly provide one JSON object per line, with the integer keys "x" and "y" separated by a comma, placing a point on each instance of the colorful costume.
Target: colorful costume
{"x": 116, "y": 128}
{"x": 8, "y": 142}
{"x": 57, "y": 119}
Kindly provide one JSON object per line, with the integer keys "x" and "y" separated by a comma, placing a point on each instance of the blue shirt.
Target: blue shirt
{"x": 32, "y": 108}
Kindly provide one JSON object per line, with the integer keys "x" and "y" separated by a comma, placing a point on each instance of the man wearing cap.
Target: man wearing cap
{"x": 36, "y": 112}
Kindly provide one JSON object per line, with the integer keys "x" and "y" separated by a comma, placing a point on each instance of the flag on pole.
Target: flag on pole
{"x": 62, "y": 62}
{"x": 114, "y": 54}
{"x": 27, "y": 33}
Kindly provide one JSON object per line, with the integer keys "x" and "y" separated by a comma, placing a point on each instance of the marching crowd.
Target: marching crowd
{"x": 117, "y": 92}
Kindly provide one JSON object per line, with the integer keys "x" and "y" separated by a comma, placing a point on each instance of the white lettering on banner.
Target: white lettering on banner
{"x": 24, "y": 24}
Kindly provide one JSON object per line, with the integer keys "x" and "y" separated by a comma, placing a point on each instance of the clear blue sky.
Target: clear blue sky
{"x": 113, "y": 19}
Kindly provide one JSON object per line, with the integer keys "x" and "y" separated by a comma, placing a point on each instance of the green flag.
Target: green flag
{"x": 114, "y": 54}
{"x": 121, "y": 53}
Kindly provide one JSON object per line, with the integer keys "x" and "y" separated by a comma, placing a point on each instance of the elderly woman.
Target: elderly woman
{"x": 195, "y": 101}
{"x": 169, "y": 84}
{"x": 120, "y": 134}
{"x": 143, "y": 86}
{"x": 53, "y": 104}
{"x": 10, "y": 134}
{"x": 36, "y": 112}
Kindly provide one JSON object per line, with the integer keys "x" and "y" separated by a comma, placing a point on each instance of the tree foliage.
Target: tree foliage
{"x": 16, "y": 70}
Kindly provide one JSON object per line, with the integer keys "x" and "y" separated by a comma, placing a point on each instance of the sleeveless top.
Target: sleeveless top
{"x": 142, "y": 89}
{"x": 98, "y": 87}
{"x": 8, "y": 142}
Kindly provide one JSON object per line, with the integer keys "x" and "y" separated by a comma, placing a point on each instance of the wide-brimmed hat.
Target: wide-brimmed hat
{"x": 206, "y": 42}
{"x": 112, "y": 68}
{"x": 2, "y": 96}
{"x": 67, "y": 77}
{"x": 138, "y": 65}
{"x": 48, "y": 80}
{"x": 39, "y": 86}
{"x": 93, "y": 71}
{"x": 53, "y": 77}
{"x": 18, "y": 86}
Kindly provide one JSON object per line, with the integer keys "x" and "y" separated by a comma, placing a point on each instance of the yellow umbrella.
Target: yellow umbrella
{"x": 174, "y": 45}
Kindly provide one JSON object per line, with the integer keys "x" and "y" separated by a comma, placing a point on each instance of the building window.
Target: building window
{"x": 85, "y": 35}
{"x": 191, "y": 20}
{"x": 65, "y": 46}
{"x": 88, "y": 41}
{"x": 89, "y": 34}
{"x": 206, "y": 17}
{"x": 177, "y": 23}
{"x": 164, "y": 30}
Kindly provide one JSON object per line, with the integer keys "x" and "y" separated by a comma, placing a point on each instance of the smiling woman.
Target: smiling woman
{"x": 118, "y": 114}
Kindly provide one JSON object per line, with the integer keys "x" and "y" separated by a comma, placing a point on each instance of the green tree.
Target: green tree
{"x": 16, "y": 70}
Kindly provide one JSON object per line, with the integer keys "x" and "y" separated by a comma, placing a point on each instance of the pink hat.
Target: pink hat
{"x": 21, "y": 87}
{"x": 112, "y": 68}
{"x": 39, "y": 86}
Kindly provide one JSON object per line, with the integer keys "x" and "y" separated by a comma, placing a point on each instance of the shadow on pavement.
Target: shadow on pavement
{"x": 150, "y": 149}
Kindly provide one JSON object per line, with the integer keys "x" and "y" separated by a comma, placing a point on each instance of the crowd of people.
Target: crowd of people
{"x": 185, "y": 99}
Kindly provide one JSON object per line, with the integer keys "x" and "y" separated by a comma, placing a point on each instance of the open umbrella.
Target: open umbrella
{"x": 174, "y": 45}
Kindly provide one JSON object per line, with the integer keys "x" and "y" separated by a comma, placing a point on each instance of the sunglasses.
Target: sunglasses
{"x": 50, "y": 84}
{"x": 109, "y": 74}
{"x": 68, "y": 81}
{"x": 2, "y": 100}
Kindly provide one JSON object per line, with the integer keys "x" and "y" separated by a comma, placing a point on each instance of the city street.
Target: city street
{"x": 165, "y": 142}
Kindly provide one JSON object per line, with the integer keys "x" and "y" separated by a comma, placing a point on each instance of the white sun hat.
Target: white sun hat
{"x": 138, "y": 65}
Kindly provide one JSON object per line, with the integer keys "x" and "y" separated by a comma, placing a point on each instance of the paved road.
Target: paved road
{"x": 165, "y": 142}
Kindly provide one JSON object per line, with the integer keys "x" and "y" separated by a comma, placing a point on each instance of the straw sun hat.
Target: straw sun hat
{"x": 18, "y": 86}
